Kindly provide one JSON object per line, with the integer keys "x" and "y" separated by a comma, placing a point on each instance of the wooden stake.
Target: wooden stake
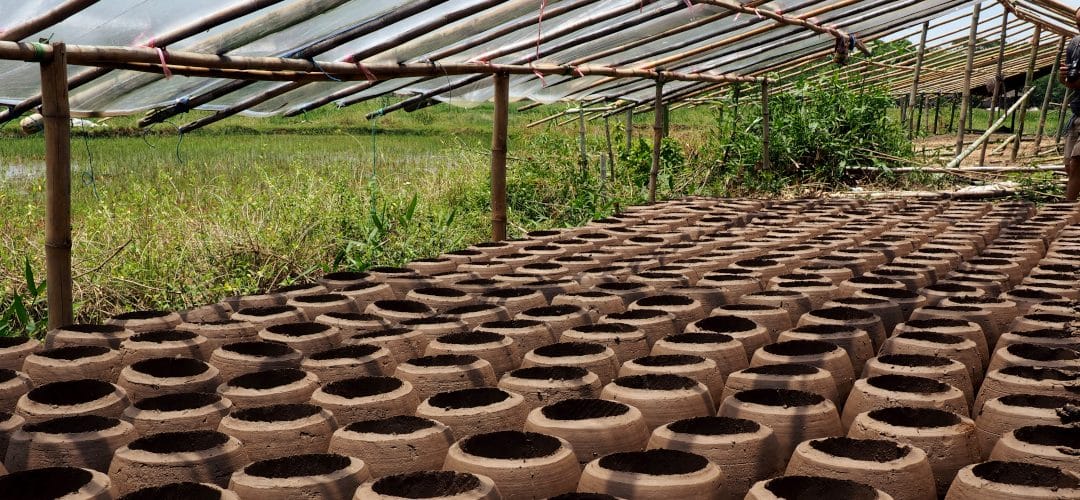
{"x": 965, "y": 102}
{"x": 952, "y": 116}
{"x": 57, "y": 116}
{"x": 918, "y": 72}
{"x": 658, "y": 136}
{"x": 629, "y": 127}
{"x": 1061, "y": 115}
{"x": 1043, "y": 110}
{"x": 765, "y": 118}
{"x": 498, "y": 156}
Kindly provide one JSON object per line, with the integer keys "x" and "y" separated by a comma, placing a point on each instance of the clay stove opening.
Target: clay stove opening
{"x": 401, "y": 424}
{"x": 259, "y": 349}
{"x": 550, "y": 373}
{"x": 73, "y": 425}
{"x": 510, "y": 445}
{"x": 779, "y": 397}
{"x": 569, "y": 349}
{"x": 315, "y": 464}
{"x": 1025, "y": 474}
{"x": 472, "y": 338}
{"x": 355, "y": 351}
{"x": 584, "y": 409}
{"x": 907, "y": 383}
{"x": 175, "y": 491}
{"x": 669, "y": 360}
{"x": 361, "y": 387}
{"x": 819, "y": 487}
{"x": 658, "y": 462}
{"x": 726, "y": 324}
{"x": 866, "y": 450}
{"x": 46, "y": 483}
{"x": 268, "y": 379}
{"x": 70, "y": 392}
{"x": 426, "y": 484}
{"x": 783, "y": 369}
{"x": 714, "y": 426}
{"x": 276, "y": 413}
{"x": 475, "y": 397}
{"x": 914, "y": 360}
{"x": 800, "y": 348}
{"x": 656, "y": 382}
{"x": 699, "y": 338}
{"x": 926, "y": 418}
{"x": 179, "y": 442}
{"x": 178, "y": 402}
{"x": 170, "y": 367}
{"x": 443, "y": 360}
{"x": 74, "y": 352}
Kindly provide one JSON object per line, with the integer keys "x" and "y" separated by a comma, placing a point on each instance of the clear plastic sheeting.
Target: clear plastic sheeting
{"x": 675, "y": 35}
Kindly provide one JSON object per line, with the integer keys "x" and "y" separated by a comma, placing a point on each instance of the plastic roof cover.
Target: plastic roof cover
{"x": 585, "y": 30}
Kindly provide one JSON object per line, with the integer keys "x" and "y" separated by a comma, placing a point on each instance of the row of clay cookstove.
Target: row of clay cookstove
{"x": 694, "y": 349}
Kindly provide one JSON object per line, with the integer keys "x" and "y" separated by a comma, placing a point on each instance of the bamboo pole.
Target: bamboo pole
{"x": 57, "y": 117}
{"x": 919, "y": 56}
{"x": 629, "y": 128}
{"x": 999, "y": 84}
{"x": 49, "y": 18}
{"x": 1044, "y": 109}
{"x": 607, "y": 139}
{"x": 937, "y": 112}
{"x": 658, "y": 132}
{"x": 921, "y": 103}
{"x": 965, "y": 103}
{"x": 1028, "y": 82}
{"x": 989, "y": 131}
{"x": 581, "y": 138}
{"x": 498, "y": 156}
{"x": 952, "y": 115}
{"x": 766, "y": 161}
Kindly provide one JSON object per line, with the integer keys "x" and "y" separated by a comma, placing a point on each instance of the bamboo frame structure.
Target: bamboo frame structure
{"x": 1028, "y": 77}
{"x": 46, "y": 19}
{"x": 965, "y": 102}
{"x": 918, "y": 71}
{"x": 658, "y": 137}
{"x": 1049, "y": 92}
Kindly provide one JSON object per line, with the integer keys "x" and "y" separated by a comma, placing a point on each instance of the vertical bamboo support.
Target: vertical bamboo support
{"x": 765, "y": 117}
{"x": 629, "y": 128}
{"x": 667, "y": 120}
{"x": 57, "y": 117}
{"x": 658, "y": 136}
{"x": 607, "y": 140}
{"x": 965, "y": 100}
{"x": 952, "y": 115}
{"x": 921, "y": 102}
{"x": 999, "y": 83}
{"x": 937, "y": 112}
{"x": 581, "y": 137}
{"x": 1043, "y": 110}
{"x": 915, "y": 80}
{"x": 498, "y": 156}
{"x": 1028, "y": 82}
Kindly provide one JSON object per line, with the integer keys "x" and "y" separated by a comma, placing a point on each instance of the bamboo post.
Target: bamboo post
{"x": 1043, "y": 110}
{"x": 999, "y": 83}
{"x": 921, "y": 103}
{"x": 667, "y": 121}
{"x": 918, "y": 72}
{"x": 1028, "y": 82}
{"x": 952, "y": 116}
{"x": 981, "y": 141}
{"x": 658, "y": 131}
{"x": 498, "y": 156}
{"x": 629, "y": 127}
{"x": 581, "y": 137}
{"x": 965, "y": 103}
{"x": 607, "y": 140}
{"x": 765, "y": 117}
{"x": 57, "y": 118}
{"x": 937, "y": 112}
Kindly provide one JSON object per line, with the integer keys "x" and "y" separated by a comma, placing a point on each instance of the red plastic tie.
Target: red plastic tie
{"x": 543, "y": 82}
{"x": 577, "y": 71}
{"x": 367, "y": 73}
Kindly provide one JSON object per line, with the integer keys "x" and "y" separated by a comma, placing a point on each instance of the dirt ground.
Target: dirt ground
{"x": 941, "y": 149}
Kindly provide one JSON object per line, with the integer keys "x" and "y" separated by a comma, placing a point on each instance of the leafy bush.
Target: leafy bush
{"x": 819, "y": 129}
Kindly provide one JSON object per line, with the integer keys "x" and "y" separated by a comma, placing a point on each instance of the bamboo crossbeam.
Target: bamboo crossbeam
{"x": 278, "y": 68}
{"x": 49, "y": 18}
